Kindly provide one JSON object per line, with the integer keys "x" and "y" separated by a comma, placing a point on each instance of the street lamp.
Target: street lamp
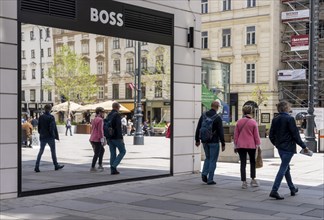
{"x": 138, "y": 137}
{"x": 310, "y": 125}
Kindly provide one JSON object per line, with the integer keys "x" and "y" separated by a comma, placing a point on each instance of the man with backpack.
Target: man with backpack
{"x": 210, "y": 132}
{"x": 114, "y": 135}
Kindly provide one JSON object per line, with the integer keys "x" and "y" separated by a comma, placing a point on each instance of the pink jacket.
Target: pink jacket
{"x": 96, "y": 129}
{"x": 248, "y": 137}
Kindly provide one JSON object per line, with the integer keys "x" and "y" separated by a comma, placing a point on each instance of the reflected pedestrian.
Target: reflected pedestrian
{"x": 47, "y": 134}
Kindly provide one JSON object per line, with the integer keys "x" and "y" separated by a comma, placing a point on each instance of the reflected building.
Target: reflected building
{"x": 36, "y": 59}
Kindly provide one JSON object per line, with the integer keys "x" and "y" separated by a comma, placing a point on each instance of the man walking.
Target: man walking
{"x": 115, "y": 138}
{"x": 47, "y": 134}
{"x": 210, "y": 132}
{"x": 284, "y": 135}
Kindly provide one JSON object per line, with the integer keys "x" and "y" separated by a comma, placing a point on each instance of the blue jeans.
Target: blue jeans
{"x": 211, "y": 152}
{"x": 113, "y": 145}
{"x": 284, "y": 171}
{"x": 51, "y": 143}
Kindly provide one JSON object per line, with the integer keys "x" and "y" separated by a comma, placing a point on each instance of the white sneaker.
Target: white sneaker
{"x": 100, "y": 168}
{"x": 254, "y": 183}
{"x": 244, "y": 185}
{"x": 93, "y": 169}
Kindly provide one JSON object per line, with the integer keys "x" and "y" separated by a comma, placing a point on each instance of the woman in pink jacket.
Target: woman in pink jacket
{"x": 96, "y": 139}
{"x": 246, "y": 141}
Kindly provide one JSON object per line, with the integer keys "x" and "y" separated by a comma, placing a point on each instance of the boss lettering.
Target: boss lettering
{"x": 105, "y": 17}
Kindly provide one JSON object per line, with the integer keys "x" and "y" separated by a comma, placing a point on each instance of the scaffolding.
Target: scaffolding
{"x": 295, "y": 52}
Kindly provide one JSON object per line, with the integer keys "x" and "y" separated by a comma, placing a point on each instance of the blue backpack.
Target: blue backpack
{"x": 206, "y": 130}
{"x": 108, "y": 129}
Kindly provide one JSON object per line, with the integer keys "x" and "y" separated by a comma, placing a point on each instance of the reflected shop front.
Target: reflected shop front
{"x": 125, "y": 53}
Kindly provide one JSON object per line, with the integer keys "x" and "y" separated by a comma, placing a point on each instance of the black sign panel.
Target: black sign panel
{"x": 103, "y": 17}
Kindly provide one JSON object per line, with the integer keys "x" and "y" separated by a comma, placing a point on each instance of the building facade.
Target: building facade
{"x": 185, "y": 84}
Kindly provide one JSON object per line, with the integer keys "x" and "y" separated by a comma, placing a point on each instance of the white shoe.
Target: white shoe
{"x": 254, "y": 183}
{"x": 244, "y": 185}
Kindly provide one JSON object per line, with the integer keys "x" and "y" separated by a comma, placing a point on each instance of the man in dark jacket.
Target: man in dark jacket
{"x": 284, "y": 135}
{"x": 211, "y": 147}
{"x": 116, "y": 141}
{"x": 47, "y": 134}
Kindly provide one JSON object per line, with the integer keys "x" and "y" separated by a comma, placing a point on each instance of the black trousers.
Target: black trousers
{"x": 243, "y": 152}
{"x": 99, "y": 151}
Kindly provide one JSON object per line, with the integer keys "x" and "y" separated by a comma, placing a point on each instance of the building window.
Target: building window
{"x": 226, "y": 5}
{"x": 115, "y": 91}
{"x": 32, "y": 53}
{"x": 158, "y": 89}
{"x": 22, "y": 36}
{"x": 251, "y": 3}
{"x": 42, "y": 73}
{"x": 23, "y": 54}
{"x": 130, "y": 65}
{"x": 226, "y": 36}
{"x": 48, "y": 32}
{"x": 143, "y": 43}
{"x": 204, "y": 40}
{"x": 23, "y": 98}
{"x": 42, "y": 52}
{"x": 129, "y": 90}
{"x": 33, "y": 74}
{"x": 250, "y": 35}
{"x": 116, "y": 66}
{"x": 250, "y": 73}
{"x": 129, "y": 43}
{"x": 85, "y": 48}
{"x": 49, "y": 95}
{"x": 204, "y": 6}
{"x": 144, "y": 63}
{"x": 143, "y": 90}
{"x": 32, "y": 95}
{"x": 41, "y": 33}
{"x": 23, "y": 74}
{"x": 159, "y": 65}
{"x": 71, "y": 46}
{"x": 41, "y": 95}
{"x": 100, "y": 92}
{"x": 32, "y": 35}
{"x": 100, "y": 67}
{"x": 116, "y": 43}
{"x": 49, "y": 52}
{"x": 100, "y": 46}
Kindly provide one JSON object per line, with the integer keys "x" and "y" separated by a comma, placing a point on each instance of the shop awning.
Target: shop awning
{"x": 129, "y": 106}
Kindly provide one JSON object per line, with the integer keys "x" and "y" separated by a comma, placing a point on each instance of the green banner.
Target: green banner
{"x": 207, "y": 97}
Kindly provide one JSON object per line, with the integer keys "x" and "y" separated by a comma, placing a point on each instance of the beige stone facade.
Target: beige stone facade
{"x": 259, "y": 52}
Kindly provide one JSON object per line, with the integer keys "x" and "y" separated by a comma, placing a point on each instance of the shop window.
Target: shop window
{"x": 226, "y": 5}
{"x": 204, "y": 40}
{"x": 250, "y": 73}
{"x": 115, "y": 91}
{"x": 226, "y": 37}
{"x": 250, "y": 35}
{"x": 129, "y": 90}
{"x": 204, "y": 6}
{"x": 158, "y": 89}
{"x": 32, "y": 94}
{"x": 251, "y": 3}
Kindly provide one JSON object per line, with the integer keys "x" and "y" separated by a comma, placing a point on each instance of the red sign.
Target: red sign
{"x": 299, "y": 42}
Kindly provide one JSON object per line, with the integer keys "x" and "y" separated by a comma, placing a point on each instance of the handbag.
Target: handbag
{"x": 258, "y": 160}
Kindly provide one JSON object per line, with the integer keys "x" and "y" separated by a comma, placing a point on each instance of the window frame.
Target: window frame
{"x": 129, "y": 65}
{"x": 204, "y": 40}
{"x": 101, "y": 91}
{"x": 250, "y": 73}
{"x": 227, "y": 5}
{"x": 204, "y": 6}
{"x": 128, "y": 91}
{"x": 100, "y": 67}
{"x": 158, "y": 90}
{"x": 251, "y": 3}
{"x": 226, "y": 37}
{"x": 250, "y": 36}
{"x": 116, "y": 66}
{"x": 32, "y": 92}
{"x": 115, "y": 91}
{"x": 116, "y": 43}
{"x": 33, "y": 73}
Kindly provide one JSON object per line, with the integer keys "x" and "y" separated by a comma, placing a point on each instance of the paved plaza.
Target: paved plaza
{"x": 185, "y": 197}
